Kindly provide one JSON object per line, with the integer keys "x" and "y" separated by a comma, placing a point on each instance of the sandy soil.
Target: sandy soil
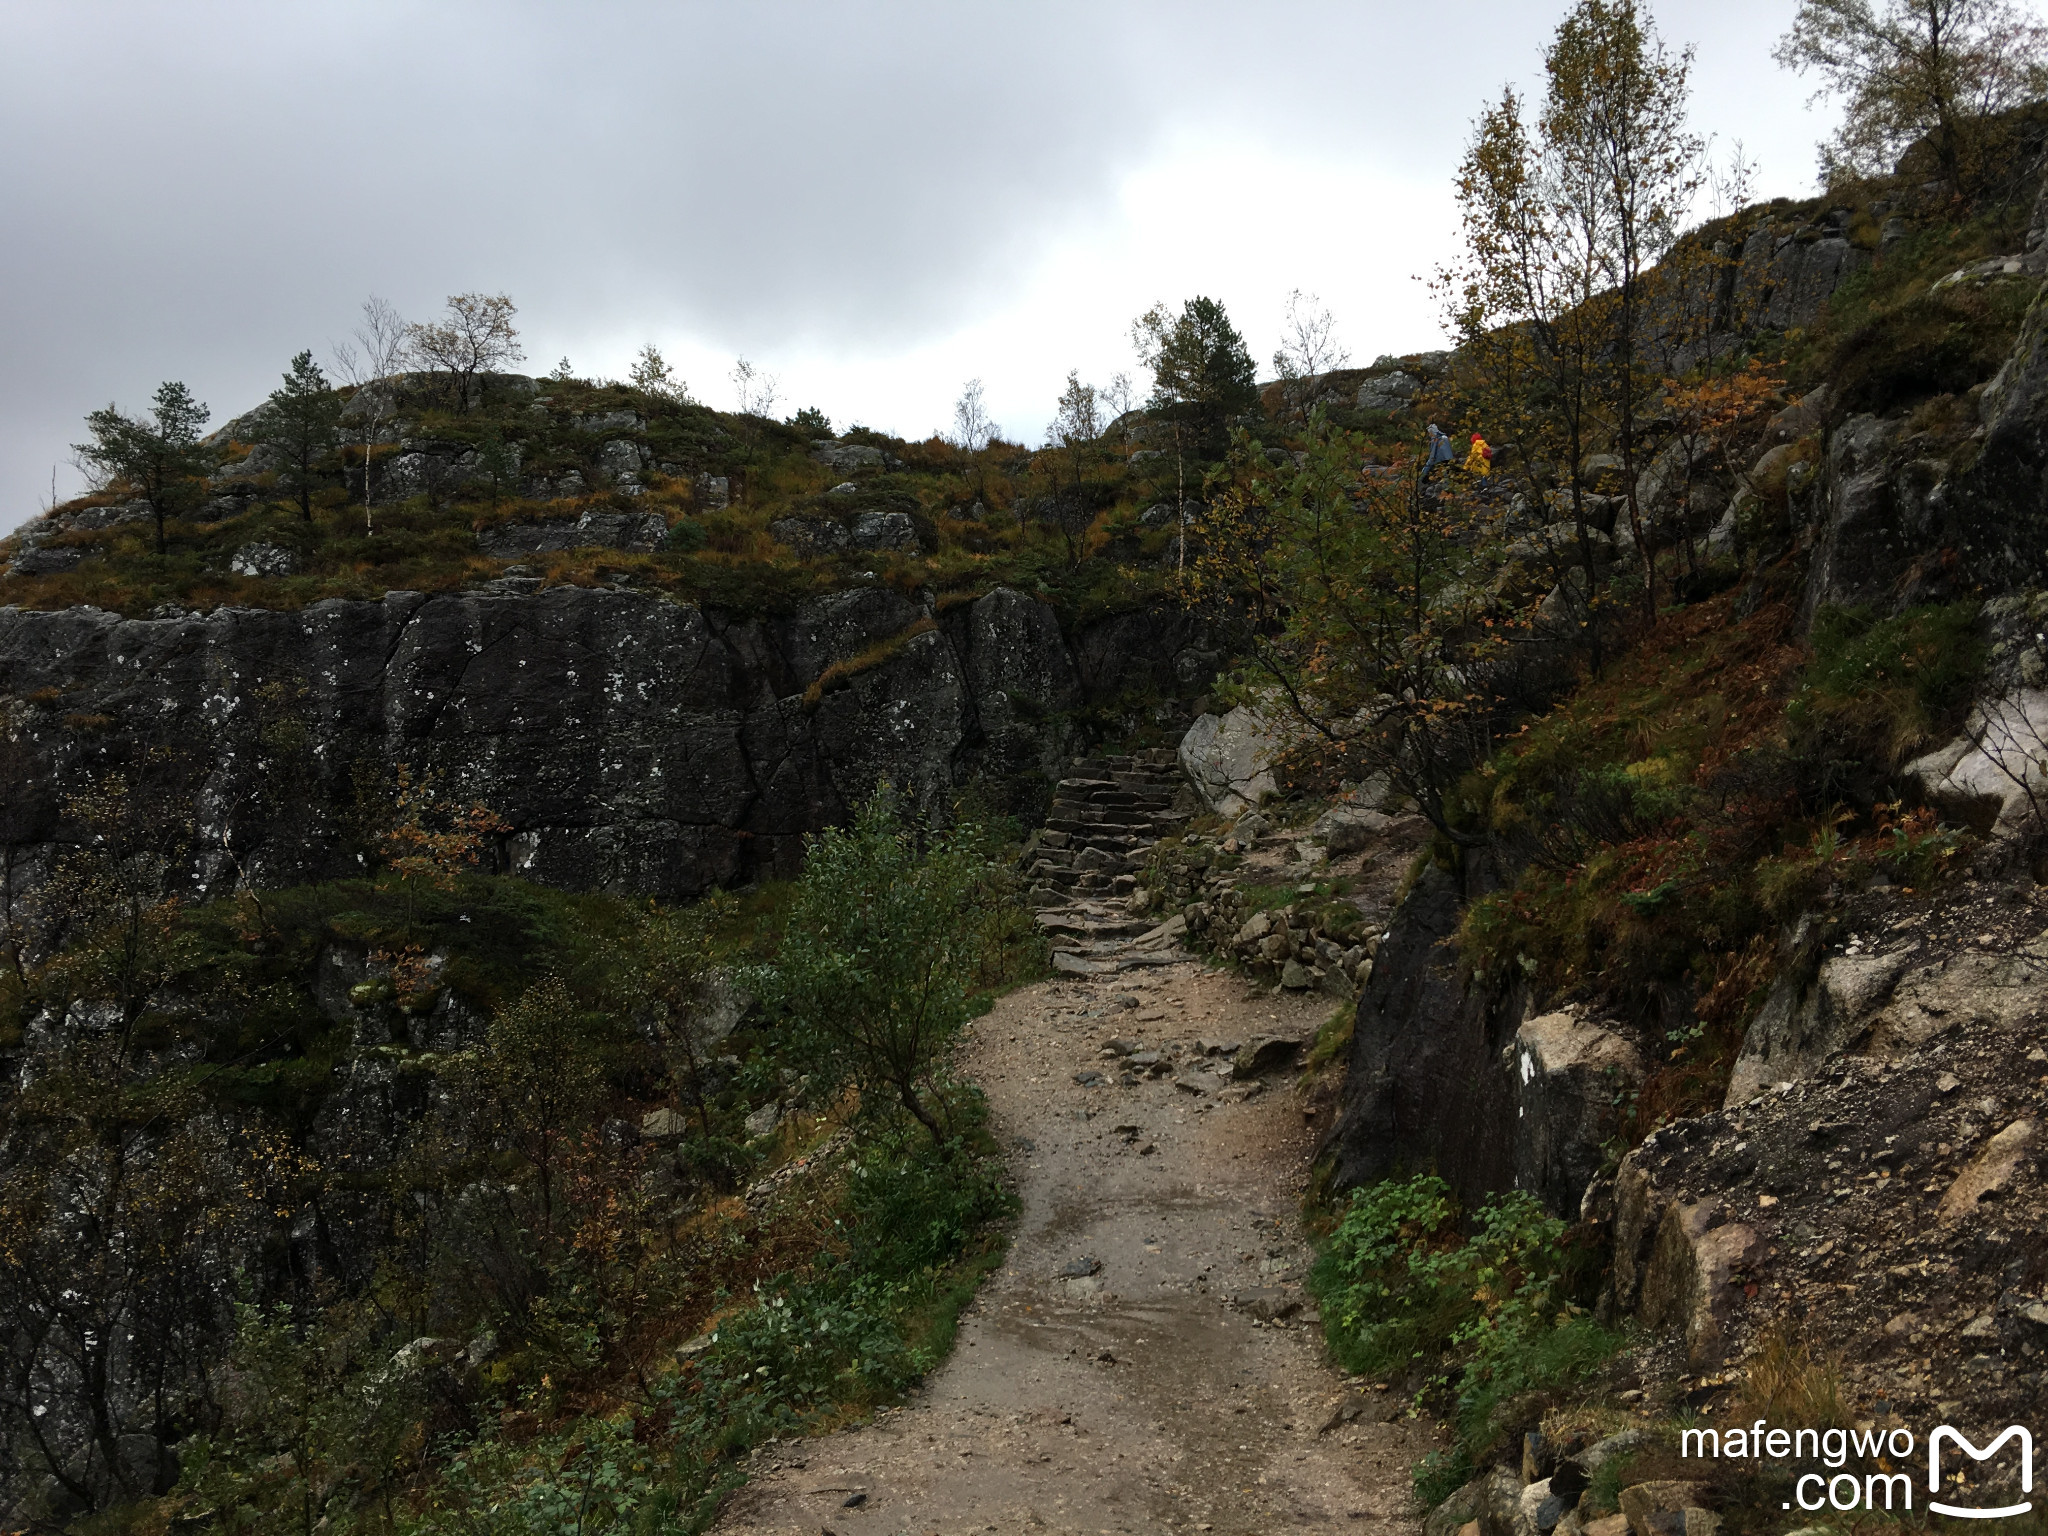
{"x": 1126, "y": 1369}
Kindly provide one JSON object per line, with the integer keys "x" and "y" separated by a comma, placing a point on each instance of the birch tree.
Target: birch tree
{"x": 368, "y": 363}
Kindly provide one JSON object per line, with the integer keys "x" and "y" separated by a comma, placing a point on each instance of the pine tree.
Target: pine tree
{"x": 1202, "y": 375}
{"x": 160, "y": 458}
{"x": 300, "y": 423}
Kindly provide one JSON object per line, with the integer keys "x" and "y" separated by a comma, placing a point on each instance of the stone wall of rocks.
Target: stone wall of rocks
{"x": 1221, "y": 883}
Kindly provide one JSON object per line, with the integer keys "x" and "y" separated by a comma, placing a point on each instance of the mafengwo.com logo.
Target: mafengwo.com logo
{"x": 1944, "y": 1434}
{"x": 1960, "y": 1473}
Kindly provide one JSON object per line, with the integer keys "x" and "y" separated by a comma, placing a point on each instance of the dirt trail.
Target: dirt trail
{"x": 1117, "y": 1374}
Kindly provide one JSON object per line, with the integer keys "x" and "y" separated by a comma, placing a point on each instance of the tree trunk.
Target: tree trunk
{"x": 906, "y": 1091}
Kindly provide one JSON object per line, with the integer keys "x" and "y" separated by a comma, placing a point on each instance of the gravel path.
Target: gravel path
{"x": 1142, "y": 1363}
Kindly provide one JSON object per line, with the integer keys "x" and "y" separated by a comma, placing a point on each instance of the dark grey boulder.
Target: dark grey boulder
{"x": 637, "y": 531}
{"x": 811, "y": 535}
{"x": 885, "y": 530}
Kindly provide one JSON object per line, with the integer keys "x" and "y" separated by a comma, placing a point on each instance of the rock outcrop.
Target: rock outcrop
{"x": 595, "y": 529}
{"x": 1567, "y": 1073}
{"x": 631, "y": 743}
{"x": 1426, "y": 1087}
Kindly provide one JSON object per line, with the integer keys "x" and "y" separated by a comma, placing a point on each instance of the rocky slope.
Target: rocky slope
{"x": 1870, "y": 1182}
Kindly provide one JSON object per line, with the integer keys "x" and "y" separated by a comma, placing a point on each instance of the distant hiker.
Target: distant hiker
{"x": 1439, "y": 450}
{"x": 1480, "y": 460}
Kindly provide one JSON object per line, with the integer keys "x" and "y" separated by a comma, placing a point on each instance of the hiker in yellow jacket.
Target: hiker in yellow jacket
{"x": 1480, "y": 460}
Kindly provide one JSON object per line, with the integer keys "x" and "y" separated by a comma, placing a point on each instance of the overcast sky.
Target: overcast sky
{"x": 873, "y": 202}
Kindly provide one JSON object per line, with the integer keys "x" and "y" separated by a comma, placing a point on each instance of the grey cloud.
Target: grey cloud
{"x": 198, "y": 190}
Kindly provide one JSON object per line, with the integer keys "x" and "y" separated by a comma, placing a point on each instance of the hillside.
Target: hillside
{"x": 488, "y": 915}
{"x": 1712, "y": 1015}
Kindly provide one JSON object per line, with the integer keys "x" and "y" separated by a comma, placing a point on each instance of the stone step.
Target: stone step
{"x": 1076, "y": 925}
{"x": 1091, "y": 813}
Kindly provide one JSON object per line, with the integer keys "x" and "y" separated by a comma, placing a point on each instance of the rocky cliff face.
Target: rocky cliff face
{"x": 629, "y": 742}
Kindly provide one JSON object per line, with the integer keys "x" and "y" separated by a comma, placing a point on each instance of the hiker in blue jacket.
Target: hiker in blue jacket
{"x": 1439, "y": 450}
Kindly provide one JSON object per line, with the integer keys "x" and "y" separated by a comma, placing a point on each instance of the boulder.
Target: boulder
{"x": 1348, "y": 829}
{"x": 1990, "y": 1173}
{"x": 1229, "y": 759}
{"x": 1666, "y": 1509}
{"x": 1884, "y": 1003}
{"x": 1624, "y": 1443}
{"x": 2000, "y": 760}
{"x": 1687, "y": 1284}
{"x": 1811, "y": 1013}
{"x": 1661, "y": 484}
{"x": 620, "y": 459}
{"x": 1263, "y": 1055}
{"x": 1499, "y": 1510}
{"x": 1015, "y": 650}
{"x": 1557, "y": 545}
{"x": 424, "y": 468}
{"x": 636, "y": 531}
{"x": 1601, "y": 472}
{"x": 1721, "y": 536}
{"x": 848, "y": 456}
{"x": 50, "y": 561}
{"x": 1388, "y": 392}
{"x": 885, "y": 530}
{"x": 1567, "y": 1072}
{"x": 664, "y": 1125}
{"x": 2000, "y": 987}
{"x": 1804, "y": 417}
{"x": 1271, "y": 1303}
{"x": 1454, "y": 1512}
{"x": 262, "y": 560}
{"x": 811, "y": 536}
{"x": 1768, "y": 474}
{"x": 1879, "y": 520}
{"x": 1424, "y": 1086}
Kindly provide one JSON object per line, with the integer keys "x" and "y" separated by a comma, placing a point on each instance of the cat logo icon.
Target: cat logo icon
{"x": 2026, "y": 1470}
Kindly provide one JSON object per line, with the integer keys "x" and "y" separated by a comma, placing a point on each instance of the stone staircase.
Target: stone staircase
{"x": 1083, "y": 862}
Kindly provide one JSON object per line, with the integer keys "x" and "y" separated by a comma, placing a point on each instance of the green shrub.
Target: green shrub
{"x": 1478, "y": 1318}
{"x": 893, "y": 929}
